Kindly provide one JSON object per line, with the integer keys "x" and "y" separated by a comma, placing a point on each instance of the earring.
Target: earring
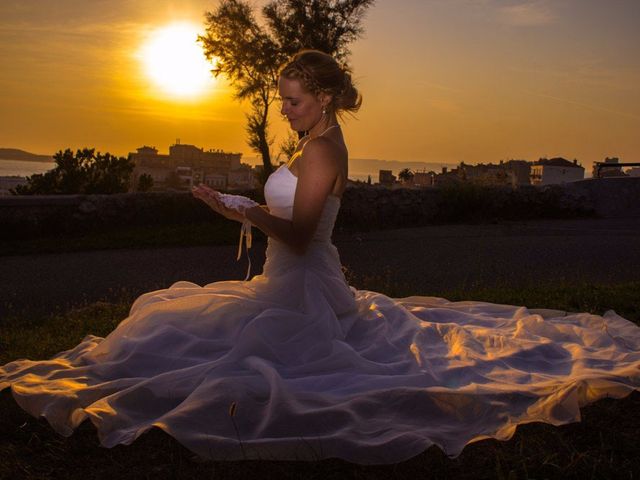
{"x": 324, "y": 110}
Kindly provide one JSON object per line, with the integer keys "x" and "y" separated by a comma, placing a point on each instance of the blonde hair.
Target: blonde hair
{"x": 320, "y": 73}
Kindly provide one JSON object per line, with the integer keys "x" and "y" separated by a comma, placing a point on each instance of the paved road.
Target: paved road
{"x": 431, "y": 259}
{"x": 517, "y": 254}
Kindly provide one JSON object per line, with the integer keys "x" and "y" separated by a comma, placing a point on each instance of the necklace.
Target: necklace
{"x": 330, "y": 127}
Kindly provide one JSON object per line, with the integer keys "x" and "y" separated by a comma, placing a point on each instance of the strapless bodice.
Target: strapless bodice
{"x": 279, "y": 192}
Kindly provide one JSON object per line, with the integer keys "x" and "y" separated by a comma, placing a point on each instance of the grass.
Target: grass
{"x": 602, "y": 445}
{"x": 623, "y": 298}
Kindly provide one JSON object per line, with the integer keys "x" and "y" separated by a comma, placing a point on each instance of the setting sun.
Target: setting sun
{"x": 175, "y": 62}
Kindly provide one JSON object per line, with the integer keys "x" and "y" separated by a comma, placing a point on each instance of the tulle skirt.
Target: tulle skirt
{"x": 296, "y": 365}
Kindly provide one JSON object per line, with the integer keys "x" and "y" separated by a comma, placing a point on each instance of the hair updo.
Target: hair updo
{"x": 320, "y": 73}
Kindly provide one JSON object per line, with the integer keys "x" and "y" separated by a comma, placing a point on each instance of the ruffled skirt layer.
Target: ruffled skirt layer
{"x": 294, "y": 365}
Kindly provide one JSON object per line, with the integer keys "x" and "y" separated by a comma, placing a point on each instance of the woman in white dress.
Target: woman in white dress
{"x": 295, "y": 364}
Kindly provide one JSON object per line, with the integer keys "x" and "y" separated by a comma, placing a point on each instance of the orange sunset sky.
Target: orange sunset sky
{"x": 443, "y": 80}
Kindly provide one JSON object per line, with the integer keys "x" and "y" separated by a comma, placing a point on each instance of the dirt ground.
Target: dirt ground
{"x": 432, "y": 258}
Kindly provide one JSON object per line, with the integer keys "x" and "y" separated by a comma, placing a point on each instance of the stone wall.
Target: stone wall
{"x": 373, "y": 207}
{"x": 610, "y": 196}
{"x": 44, "y": 215}
{"x": 364, "y": 207}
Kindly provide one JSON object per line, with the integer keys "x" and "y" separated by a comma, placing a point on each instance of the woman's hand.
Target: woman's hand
{"x": 211, "y": 198}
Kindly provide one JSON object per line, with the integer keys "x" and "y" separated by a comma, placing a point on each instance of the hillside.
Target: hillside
{"x": 16, "y": 154}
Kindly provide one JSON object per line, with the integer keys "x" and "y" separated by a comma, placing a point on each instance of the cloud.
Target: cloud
{"x": 588, "y": 73}
{"x": 531, "y": 13}
{"x": 587, "y": 106}
{"x": 438, "y": 86}
{"x": 71, "y": 29}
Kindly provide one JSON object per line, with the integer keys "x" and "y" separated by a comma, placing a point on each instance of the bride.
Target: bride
{"x": 295, "y": 364}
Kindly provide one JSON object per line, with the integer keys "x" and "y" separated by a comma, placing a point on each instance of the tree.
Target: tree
{"x": 145, "y": 182}
{"x": 82, "y": 172}
{"x": 108, "y": 174}
{"x": 288, "y": 146}
{"x": 250, "y": 54}
{"x": 405, "y": 175}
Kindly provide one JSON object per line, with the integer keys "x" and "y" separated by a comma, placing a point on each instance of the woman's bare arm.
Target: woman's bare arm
{"x": 317, "y": 174}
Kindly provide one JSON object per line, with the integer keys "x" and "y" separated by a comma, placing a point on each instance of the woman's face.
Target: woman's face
{"x": 302, "y": 108}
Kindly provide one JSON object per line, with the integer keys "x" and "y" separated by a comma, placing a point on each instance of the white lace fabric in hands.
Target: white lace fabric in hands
{"x": 240, "y": 203}
{"x": 236, "y": 202}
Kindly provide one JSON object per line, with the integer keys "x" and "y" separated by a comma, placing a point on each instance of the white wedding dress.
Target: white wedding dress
{"x": 316, "y": 369}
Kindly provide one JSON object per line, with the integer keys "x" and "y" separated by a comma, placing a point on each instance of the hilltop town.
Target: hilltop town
{"x": 514, "y": 173}
{"x": 188, "y": 165}
{"x": 185, "y": 166}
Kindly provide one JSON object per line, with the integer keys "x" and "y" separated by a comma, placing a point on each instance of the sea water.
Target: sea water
{"x": 21, "y": 168}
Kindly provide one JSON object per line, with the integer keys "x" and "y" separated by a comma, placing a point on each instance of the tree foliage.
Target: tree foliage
{"x": 83, "y": 172}
{"x": 326, "y": 25}
{"x": 288, "y": 146}
{"x": 250, "y": 53}
{"x": 145, "y": 183}
{"x": 405, "y": 175}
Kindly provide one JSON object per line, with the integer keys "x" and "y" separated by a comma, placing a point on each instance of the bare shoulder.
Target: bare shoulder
{"x": 320, "y": 152}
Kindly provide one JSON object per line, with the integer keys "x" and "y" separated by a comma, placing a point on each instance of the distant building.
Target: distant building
{"x": 520, "y": 171}
{"x": 482, "y": 174}
{"x": 216, "y": 181}
{"x": 555, "y": 171}
{"x": 187, "y": 165}
{"x": 608, "y": 171}
{"x": 386, "y": 177}
{"x": 447, "y": 177}
{"x": 423, "y": 179}
{"x": 242, "y": 178}
{"x": 148, "y": 162}
{"x": 510, "y": 173}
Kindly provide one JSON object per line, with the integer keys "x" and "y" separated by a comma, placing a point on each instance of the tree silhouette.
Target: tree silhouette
{"x": 250, "y": 53}
{"x": 145, "y": 183}
{"x": 288, "y": 146}
{"x": 405, "y": 175}
{"x": 83, "y": 172}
